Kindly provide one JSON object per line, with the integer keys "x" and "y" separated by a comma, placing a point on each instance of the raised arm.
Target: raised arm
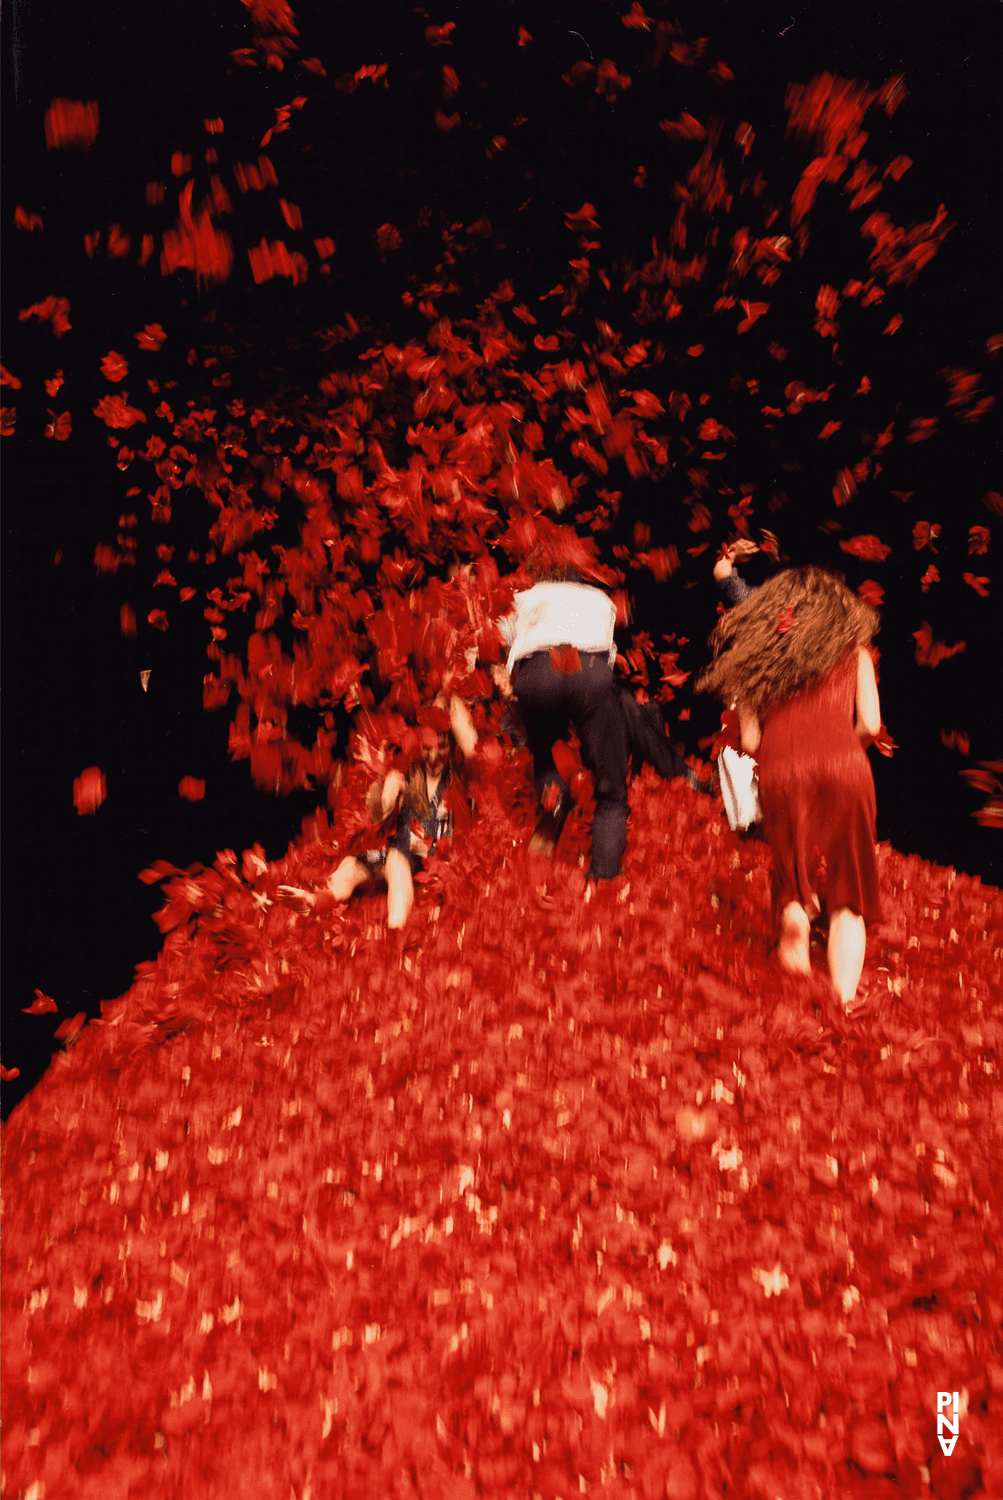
{"x": 462, "y": 726}
{"x": 383, "y": 795}
{"x": 732, "y": 585}
{"x": 867, "y": 704}
{"x": 751, "y": 730}
{"x": 732, "y": 553}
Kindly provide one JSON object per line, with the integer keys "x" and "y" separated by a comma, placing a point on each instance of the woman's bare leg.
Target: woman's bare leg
{"x": 350, "y": 875}
{"x": 400, "y": 889}
{"x": 847, "y": 942}
{"x": 793, "y": 953}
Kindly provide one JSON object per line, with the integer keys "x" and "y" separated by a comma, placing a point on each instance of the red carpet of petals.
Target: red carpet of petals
{"x": 556, "y": 1196}
{"x": 559, "y": 1198}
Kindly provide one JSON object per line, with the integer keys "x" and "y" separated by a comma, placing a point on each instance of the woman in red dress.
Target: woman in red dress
{"x": 794, "y": 657}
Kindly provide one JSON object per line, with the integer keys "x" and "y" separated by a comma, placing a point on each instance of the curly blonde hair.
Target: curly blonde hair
{"x": 790, "y": 633}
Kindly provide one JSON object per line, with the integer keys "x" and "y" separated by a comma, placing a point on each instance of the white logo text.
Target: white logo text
{"x": 948, "y": 1419}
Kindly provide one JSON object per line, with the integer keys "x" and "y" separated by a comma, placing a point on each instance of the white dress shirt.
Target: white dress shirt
{"x": 560, "y": 614}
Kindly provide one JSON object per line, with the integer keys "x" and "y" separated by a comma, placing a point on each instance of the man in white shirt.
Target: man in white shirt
{"x": 561, "y": 657}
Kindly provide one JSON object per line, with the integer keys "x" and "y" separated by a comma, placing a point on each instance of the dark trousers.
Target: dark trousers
{"x": 589, "y": 699}
{"x": 646, "y": 739}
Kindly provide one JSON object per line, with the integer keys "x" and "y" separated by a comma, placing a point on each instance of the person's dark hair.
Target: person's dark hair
{"x": 788, "y": 634}
{"x": 416, "y": 779}
{"x": 544, "y": 567}
{"x": 415, "y": 794}
{"x": 416, "y": 789}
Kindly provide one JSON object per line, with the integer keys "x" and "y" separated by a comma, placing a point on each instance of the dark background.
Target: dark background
{"x": 77, "y": 920}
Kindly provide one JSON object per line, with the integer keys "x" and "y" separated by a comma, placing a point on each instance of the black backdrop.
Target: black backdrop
{"x": 76, "y": 918}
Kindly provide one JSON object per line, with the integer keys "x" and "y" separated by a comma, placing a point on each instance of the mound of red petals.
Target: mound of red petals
{"x": 560, "y": 1197}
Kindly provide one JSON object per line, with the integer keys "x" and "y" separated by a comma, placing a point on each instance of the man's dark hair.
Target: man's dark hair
{"x": 543, "y": 567}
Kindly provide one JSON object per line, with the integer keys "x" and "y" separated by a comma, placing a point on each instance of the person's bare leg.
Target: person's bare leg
{"x": 350, "y": 875}
{"x": 793, "y": 953}
{"x": 400, "y": 889}
{"x": 847, "y": 943}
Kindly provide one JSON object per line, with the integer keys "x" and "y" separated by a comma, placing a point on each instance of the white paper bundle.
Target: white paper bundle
{"x": 739, "y": 787}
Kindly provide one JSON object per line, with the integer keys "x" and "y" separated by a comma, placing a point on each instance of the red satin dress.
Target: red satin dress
{"x": 817, "y": 797}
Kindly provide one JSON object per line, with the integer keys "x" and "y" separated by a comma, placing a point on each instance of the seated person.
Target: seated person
{"x": 424, "y": 817}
